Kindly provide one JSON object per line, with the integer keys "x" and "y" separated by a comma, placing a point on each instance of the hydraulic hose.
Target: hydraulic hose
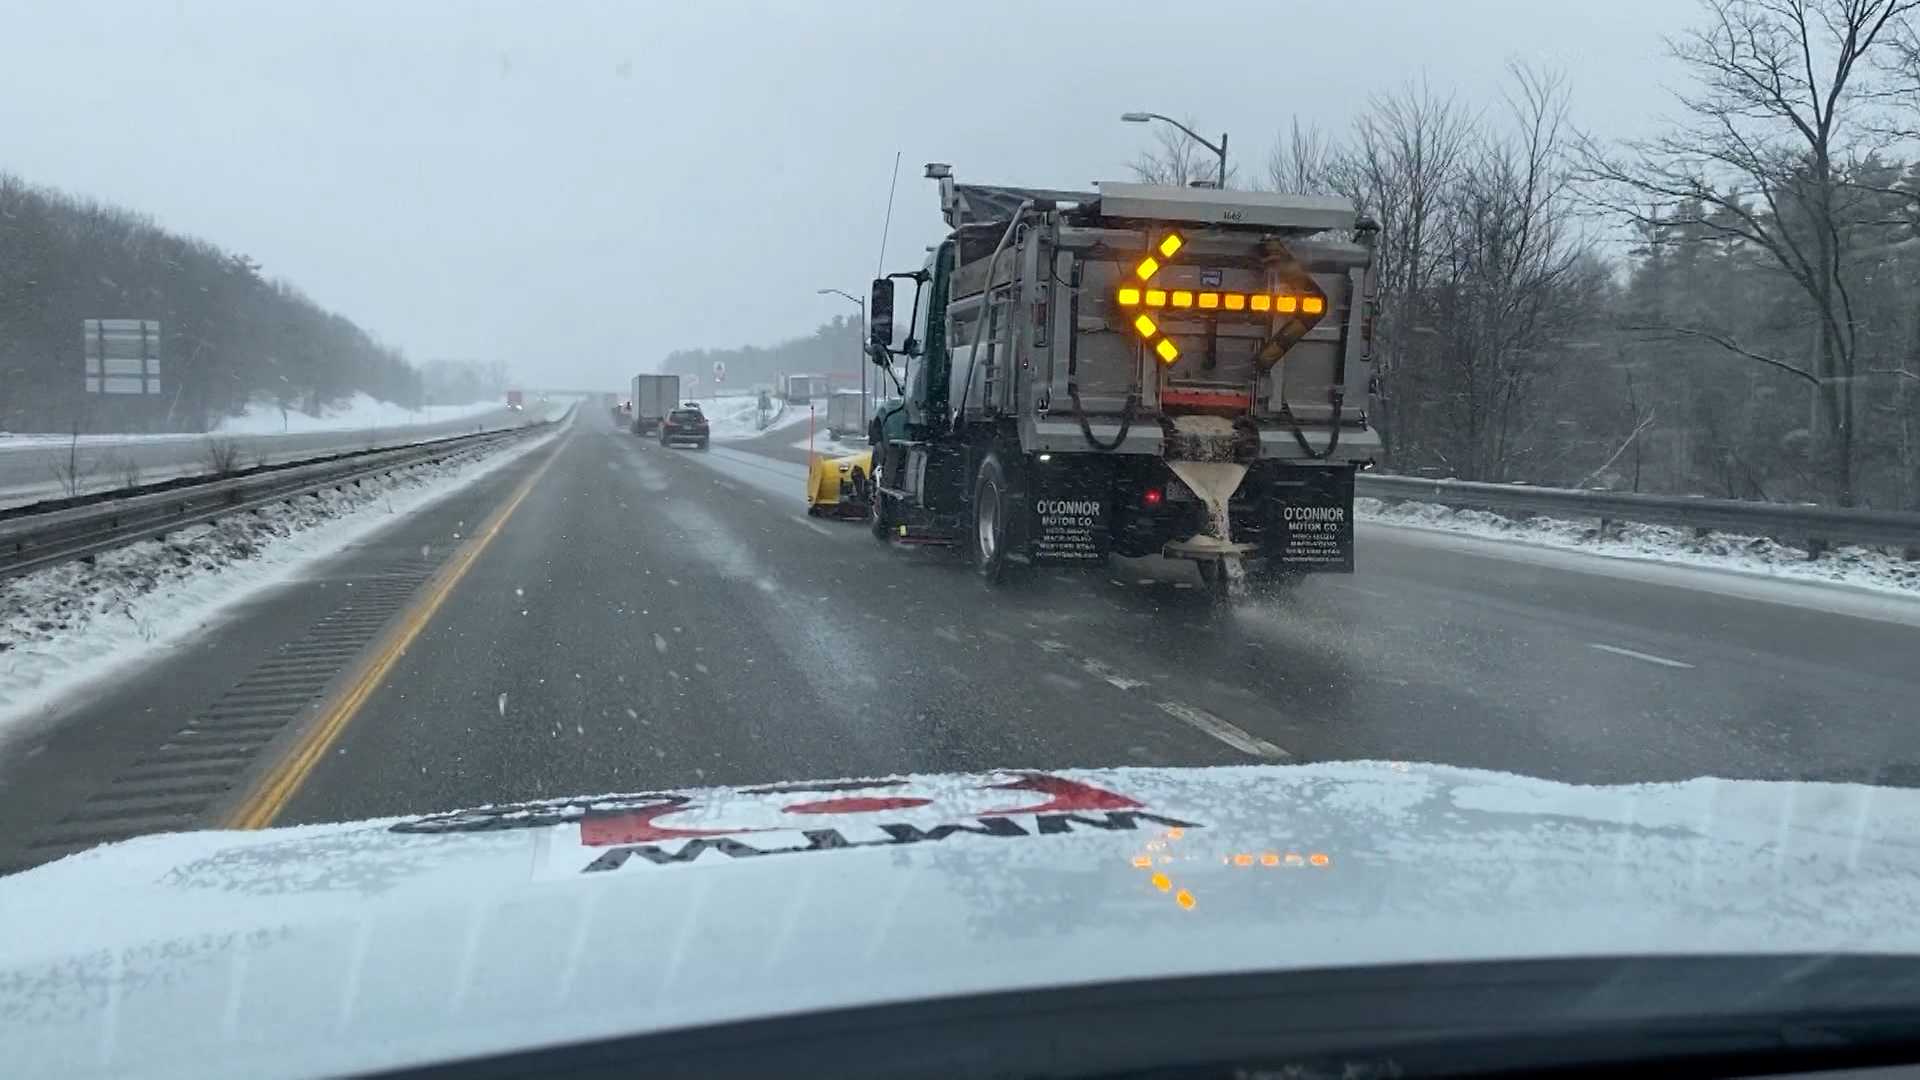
{"x": 1336, "y": 396}
{"x": 1086, "y": 429}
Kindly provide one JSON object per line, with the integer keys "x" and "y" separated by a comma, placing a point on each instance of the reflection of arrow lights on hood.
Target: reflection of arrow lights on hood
{"x": 1160, "y": 880}
{"x": 1156, "y": 856}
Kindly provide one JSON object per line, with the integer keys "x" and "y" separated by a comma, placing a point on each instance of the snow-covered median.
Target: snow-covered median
{"x": 78, "y": 621}
{"x": 355, "y": 413}
{"x": 1862, "y": 568}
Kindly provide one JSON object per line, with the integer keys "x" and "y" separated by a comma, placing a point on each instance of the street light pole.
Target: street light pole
{"x": 1143, "y": 117}
{"x": 862, "y": 304}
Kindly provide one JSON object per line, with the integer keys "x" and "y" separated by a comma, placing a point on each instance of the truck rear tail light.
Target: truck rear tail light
{"x": 1151, "y": 497}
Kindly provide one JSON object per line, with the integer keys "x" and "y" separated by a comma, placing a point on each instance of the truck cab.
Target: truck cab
{"x": 1141, "y": 370}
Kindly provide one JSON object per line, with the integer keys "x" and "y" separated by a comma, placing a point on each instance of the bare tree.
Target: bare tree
{"x": 223, "y": 456}
{"x": 71, "y": 473}
{"x": 1405, "y": 156}
{"x": 1784, "y": 108}
{"x": 1515, "y": 284}
{"x": 1642, "y": 420}
{"x": 1301, "y": 161}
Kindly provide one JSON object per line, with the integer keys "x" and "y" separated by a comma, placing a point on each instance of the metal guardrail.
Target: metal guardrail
{"x": 33, "y": 539}
{"x": 1816, "y": 526}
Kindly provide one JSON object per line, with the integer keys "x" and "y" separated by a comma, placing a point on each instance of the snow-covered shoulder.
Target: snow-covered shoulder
{"x": 1863, "y": 569}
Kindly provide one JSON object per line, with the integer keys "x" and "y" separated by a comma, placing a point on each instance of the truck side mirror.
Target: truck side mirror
{"x": 880, "y": 320}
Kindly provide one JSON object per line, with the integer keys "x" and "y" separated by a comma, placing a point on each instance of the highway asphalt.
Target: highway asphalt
{"x": 31, "y": 467}
{"x": 648, "y": 618}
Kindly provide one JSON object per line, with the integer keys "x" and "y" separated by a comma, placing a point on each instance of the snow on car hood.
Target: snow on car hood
{"x": 324, "y": 949}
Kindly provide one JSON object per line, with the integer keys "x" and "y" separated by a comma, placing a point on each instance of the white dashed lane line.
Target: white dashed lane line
{"x": 1648, "y": 657}
{"x": 1232, "y": 735}
{"x": 1106, "y": 674}
{"x": 1199, "y": 719}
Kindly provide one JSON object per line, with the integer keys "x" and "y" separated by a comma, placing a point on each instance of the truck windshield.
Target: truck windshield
{"x": 922, "y": 300}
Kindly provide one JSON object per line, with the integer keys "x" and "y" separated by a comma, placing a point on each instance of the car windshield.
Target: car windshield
{"x": 850, "y": 504}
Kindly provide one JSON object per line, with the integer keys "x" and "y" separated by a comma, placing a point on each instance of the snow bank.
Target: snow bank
{"x": 732, "y": 419}
{"x": 359, "y": 411}
{"x": 1862, "y": 568}
{"x": 79, "y": 621}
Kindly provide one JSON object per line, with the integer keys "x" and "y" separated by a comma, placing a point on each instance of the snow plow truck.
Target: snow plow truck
{"x": 1132, "y": 371}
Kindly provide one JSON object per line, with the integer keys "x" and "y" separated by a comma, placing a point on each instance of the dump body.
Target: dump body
{"x": 654, "y": 396}
{"x": 1051, "y": 326}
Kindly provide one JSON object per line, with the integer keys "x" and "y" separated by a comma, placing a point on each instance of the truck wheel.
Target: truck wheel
{"x": 882, "y": 519}
{"x": 992, "y": 512}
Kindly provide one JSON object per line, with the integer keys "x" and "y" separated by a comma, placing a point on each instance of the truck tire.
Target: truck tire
{"x": 882, "y": 519}
{"x": 992, "y": 514}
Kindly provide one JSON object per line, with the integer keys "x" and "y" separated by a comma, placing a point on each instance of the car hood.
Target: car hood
{"x": 324, "y": 949}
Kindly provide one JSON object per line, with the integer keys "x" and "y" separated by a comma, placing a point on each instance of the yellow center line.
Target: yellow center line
{"x": 270, "y": 796}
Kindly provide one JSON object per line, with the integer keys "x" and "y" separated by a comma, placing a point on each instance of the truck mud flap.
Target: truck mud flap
{"x": 1069, "y": 516}
{"x": 1309, "y": 525}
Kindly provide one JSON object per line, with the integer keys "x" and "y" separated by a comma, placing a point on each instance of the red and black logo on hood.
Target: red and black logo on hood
{"x": 678, "y": 827}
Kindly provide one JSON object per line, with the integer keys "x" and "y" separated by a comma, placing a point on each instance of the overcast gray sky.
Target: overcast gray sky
{"x": 579, "y": 188}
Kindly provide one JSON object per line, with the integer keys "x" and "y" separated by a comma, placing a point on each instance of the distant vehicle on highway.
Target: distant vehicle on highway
{"x": 800, "y": 389}
{"x": 847, "y": 413}
{"x": 516, "y": 400}
{"x": 685, "y": 426}
{"x": 653, "y": 397}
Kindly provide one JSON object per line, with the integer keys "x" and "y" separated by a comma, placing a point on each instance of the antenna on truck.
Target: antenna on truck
{"x": 886, "y": 227}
